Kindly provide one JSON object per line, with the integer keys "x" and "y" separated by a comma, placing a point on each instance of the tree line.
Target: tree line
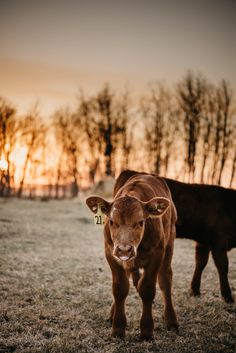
{"x": 188, "y": 133}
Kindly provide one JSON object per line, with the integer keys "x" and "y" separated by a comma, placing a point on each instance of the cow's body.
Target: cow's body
{"x": 206, "y": 214}
{"x": 151, "y": 248}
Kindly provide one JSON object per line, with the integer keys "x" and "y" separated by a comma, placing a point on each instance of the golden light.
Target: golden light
{"x": 3, "y": 164}
{"x": 18, "y": 156}
{"x": 7, "y": 147}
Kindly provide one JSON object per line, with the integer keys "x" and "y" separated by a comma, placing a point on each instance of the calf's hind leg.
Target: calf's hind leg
{"x": 201, "y": 258}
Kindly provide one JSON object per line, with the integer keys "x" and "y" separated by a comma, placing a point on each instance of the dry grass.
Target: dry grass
{"x": 55, "y": 289}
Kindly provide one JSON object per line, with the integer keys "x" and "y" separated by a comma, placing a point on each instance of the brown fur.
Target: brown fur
{"x": 140, "y": 227}
{"x": 206, "y": 214}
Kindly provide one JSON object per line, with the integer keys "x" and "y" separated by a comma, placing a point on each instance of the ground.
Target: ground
{"x": 55, "y": 289}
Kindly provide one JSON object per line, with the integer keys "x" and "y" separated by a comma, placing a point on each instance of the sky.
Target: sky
{"x": 49, "y": 50}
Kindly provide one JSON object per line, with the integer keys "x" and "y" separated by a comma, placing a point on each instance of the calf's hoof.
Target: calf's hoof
{"x": 146, "y": 336}
{"x": 228, "y": 299}
{"x": 194, "y": 292}
{"x": 118, "y": 333}
{"x": 174, "y": 327}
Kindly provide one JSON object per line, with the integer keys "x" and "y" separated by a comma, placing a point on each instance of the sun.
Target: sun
{"x": 3, "y": 164}
{"x": 18, "y": 156}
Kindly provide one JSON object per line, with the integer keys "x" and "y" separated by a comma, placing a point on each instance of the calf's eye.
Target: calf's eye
{"x": 111, "y": 222}
{"x": 141, "y": 223}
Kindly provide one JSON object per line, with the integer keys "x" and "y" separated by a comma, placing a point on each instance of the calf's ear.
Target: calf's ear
{"x": 93, "y": 202}
{"x": 156, "y": 207}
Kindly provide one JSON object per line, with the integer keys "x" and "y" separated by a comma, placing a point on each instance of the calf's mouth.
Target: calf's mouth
{"x": 124, "y": 252}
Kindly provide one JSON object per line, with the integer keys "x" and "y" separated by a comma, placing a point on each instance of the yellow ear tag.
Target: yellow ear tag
{"x": 99, "y": 217}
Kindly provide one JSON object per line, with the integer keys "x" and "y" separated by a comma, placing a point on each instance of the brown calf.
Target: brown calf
{"x": 206, "y": 214}
{"x": 139, "y": 233}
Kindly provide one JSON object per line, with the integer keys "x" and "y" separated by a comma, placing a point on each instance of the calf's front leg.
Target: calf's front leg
{"x": 120, "y": 288}
{"x": 147, "y": 290}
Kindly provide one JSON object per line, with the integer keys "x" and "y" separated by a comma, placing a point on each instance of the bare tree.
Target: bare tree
{"x": 216, "y": 144}
{"x": 224, "y": 103}
{"x": 206, "y": 127}
{"x": 110, "y": 126}
{"x": 191, "y": 92}
{"x": 33, "y": 132}
{"x": 9, "y": 127}
{"x": 222, "y": 130}
{"x": 59, "y": 123}
{"x": 104, "y": 102}
{"x": 125, "y": 128}
{"x": 233, "y": 171}
{"x": 68, "y": 136}
{"x": 232, "y": 181}
{"x": 161, "y": 125}
{"x": 194, "y": 127}
{"x": 86, "y": 113}
{"x": 171, "y": 131}
{"x": 153, "y": 113}
{"x": 105, "y": 124}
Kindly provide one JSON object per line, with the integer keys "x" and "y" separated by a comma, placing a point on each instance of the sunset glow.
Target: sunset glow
{"x": 18, "y": 156}
{"x": 90, "y": 88}
{"x": 51, "y": 50}
{"x": 3, "y": 164}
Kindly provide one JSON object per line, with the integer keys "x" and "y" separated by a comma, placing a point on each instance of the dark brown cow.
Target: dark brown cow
{"x": 139, "y": 234}
{"x": 206, "y": 214}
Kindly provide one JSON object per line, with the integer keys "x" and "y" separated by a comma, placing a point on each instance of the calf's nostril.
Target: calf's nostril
{"x": 126, "y": 248}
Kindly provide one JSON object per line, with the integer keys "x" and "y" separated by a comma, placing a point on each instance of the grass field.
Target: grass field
{"x": 55, "y": 289}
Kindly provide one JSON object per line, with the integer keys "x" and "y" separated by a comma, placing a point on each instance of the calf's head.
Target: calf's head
{"x": 126, "y": 217}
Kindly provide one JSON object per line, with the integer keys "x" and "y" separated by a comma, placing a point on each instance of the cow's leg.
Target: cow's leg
{"x": 147, "y": 290}
{"x": 221, "y": 261}
{"x": 120, "y": 287}
{"x": 165, "y": 282}
{"x": 201, "y": 258}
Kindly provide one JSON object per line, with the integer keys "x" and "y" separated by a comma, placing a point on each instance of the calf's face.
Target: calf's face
{"x": 126, "y": 221}
{"x": 126, "y": 217}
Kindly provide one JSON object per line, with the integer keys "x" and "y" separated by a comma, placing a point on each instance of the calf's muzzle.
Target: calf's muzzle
{"x": 124, "y": 252}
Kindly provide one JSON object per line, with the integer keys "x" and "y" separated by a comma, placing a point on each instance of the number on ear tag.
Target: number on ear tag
{"x": 99, "y": 217}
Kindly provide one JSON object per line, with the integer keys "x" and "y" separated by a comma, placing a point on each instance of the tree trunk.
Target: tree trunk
{"x": 233, "y": 170}
{"x": 58, "y": 181}
{"x": 19, "y": 194}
